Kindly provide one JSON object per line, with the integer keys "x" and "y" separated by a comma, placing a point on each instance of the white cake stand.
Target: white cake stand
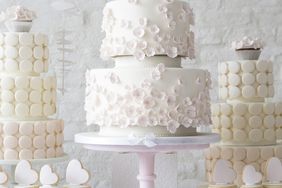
{"x": 146, "y": 177}
{"x": 13, "y": 163}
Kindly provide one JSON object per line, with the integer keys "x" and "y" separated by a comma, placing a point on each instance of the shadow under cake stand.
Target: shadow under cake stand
{"x": 146, "y": 155}
{"x": 13, "y": 163}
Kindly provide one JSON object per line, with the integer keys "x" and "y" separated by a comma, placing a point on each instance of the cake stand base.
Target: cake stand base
{"x": 146, "y": 155}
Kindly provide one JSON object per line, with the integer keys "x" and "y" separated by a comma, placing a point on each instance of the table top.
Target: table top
{"x": 92, "y": 141}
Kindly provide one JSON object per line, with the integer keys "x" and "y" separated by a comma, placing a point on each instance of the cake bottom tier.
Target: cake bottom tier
{"x": 144, "y": 131}
{"x": 148, "y": 97}
{"x": 26, "y": 140}
{"x": 239, "y": 157}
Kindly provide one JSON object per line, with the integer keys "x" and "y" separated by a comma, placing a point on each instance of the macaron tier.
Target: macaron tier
{"x": 26, "y": 140}
{"x": 246, "y": 80}
{"x": 248, "y": 123}
{"x": 23, "y": 53}
{"x": 239, "y": 157}
{"x": 27, "y": 99}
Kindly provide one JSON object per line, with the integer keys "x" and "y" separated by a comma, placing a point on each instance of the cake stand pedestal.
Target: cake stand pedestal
{"x": 146, "y": 148}
{"x": 13, "y": 163}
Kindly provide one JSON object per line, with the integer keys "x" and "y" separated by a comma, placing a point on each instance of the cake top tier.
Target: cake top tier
{"x": 147, "y": 28}
{"x": 17, "y": 13}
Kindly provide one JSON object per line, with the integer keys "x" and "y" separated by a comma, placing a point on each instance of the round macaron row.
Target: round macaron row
{"x": 26, "y": 96}
{"x": 246, "y": 79}
{"x": 31, "y": 139}
{"x": 23, "y": 52}
{"x": 248, "y": 123}
{"x": 239, "y": 157}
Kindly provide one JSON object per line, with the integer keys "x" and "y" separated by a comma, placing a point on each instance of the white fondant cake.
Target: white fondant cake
{"x": 148, "y": 91}
{"x": 148, "y": 28}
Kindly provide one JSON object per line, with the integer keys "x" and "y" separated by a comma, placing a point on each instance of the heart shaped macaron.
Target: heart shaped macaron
{"x": 274, "y": 170}
{"x": 223, "y": 174}
{"x": 251, "y": 176}
{"x": 3, "y": 178}
{"x": 24, "y": 174}
{"x": 47, "y": 176}
{"x": 76, "y": 174}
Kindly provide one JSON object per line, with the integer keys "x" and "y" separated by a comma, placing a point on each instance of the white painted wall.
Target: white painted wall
{"x": 217, "y": 23}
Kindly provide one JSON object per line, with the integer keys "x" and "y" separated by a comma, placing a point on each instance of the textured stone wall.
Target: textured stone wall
{"x": 218, "y": 22}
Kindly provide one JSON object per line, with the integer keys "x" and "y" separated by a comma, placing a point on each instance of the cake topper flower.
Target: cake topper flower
{"x": 248, "y": 48}
{"x": 17, "y": 13}
{"x": 247, "y": 43}
{"x": 18, "y": 18}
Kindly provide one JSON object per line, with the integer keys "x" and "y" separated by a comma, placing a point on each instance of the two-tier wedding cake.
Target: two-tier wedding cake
{"x": 148, "y": 91}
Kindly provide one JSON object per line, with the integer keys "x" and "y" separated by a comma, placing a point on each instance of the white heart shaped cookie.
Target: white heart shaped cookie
{"x": 47, "y": 176}
{"x": 274, "y": 170}
{"x": 3, "y": 178}
{"x": 223, "y": 174}
{"x": 24, "y": 174}
{"x": 75, "y": 174}
{"x": 251, "y": 176}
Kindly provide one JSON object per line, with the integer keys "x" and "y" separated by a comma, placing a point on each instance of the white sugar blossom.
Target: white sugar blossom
{"x": 160, "y": 50}
{"x": 160, "y": 67}
{"x": 173, "y": 114}
{"x": 139, "y": 32}
{"x": 158, "y": 38}
{"x": 143, "y": 22}
{"x": 131, "y": 45}
{"x": 154, "y": 29}
{"x": 149, "y": 102}
{"x": 140, "y": 55}
{"x": 162, "y": 8}
{"x": 150, "y": 52}
{"x": 130, "y": 111}
{"x": 142, "y": 121}
{"x": 142, "y": 45}
{"x": 188, "y": 101}
{"x": 146, "y": 84}
{"x": 172, "y": 25}
{"x": 114, "y": 78}
{"x": 138, "y": 93}
{"x": 173, "y": 126}
{"x": 172, "y": 52}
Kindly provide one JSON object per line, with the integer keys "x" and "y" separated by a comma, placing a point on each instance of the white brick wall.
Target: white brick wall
{"x": 217, "y": 23}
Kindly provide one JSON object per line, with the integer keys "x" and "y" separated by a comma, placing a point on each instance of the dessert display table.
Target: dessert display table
{"x": 11, "y": 164}
{"x": 146, "y": 148}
